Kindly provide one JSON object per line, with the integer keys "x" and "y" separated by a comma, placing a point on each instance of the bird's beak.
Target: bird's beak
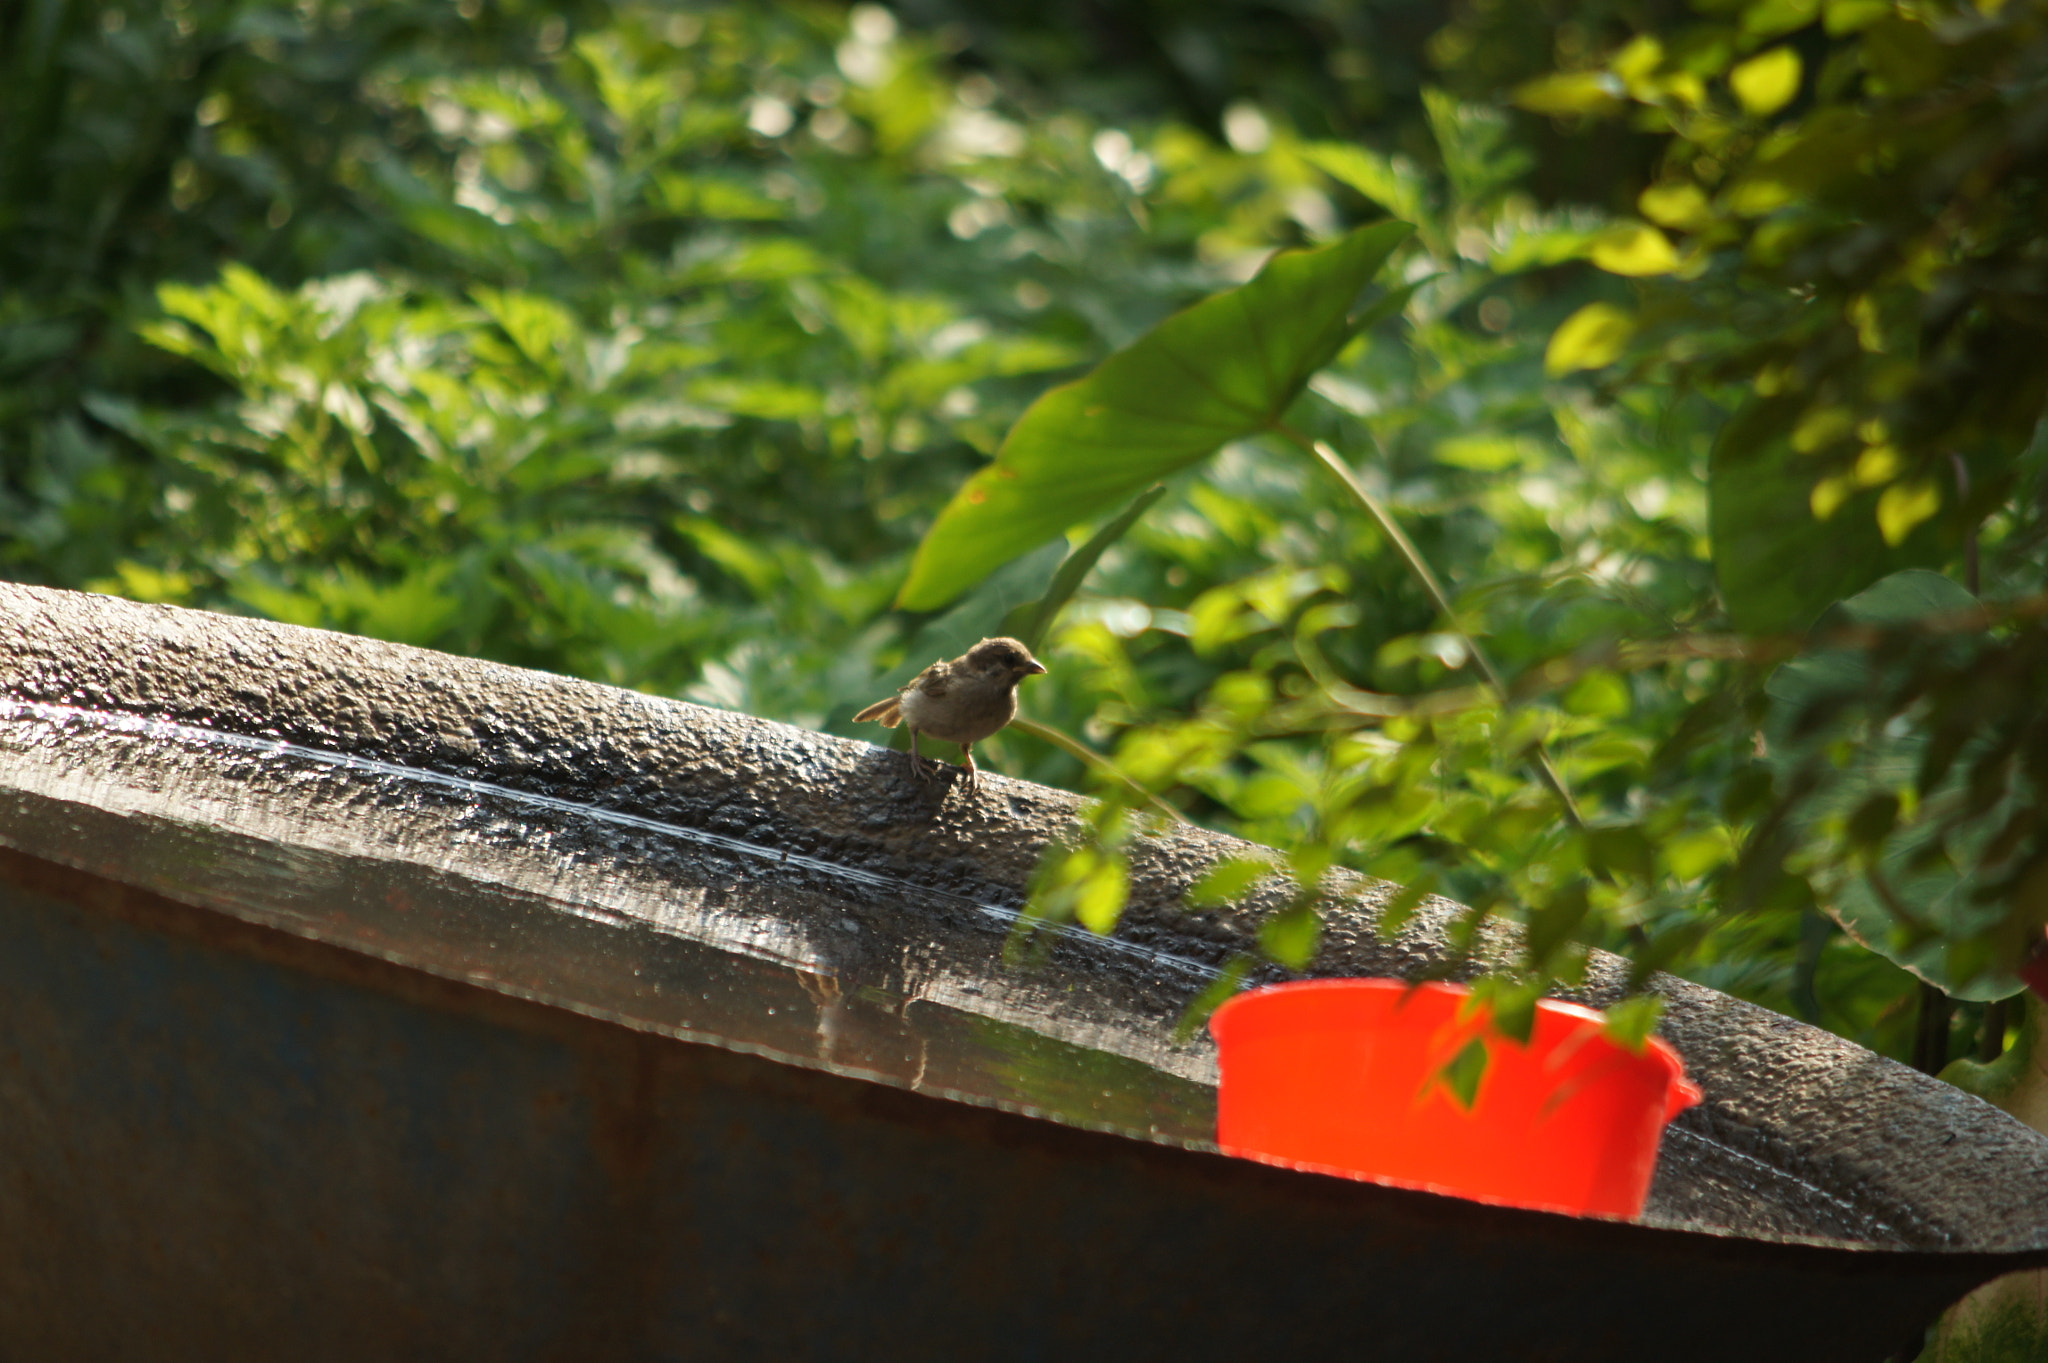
{"x": 1034, "y": 668}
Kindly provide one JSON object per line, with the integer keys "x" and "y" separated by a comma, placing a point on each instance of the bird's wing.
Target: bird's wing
{"x": 888, "y": 713}
{"x": 934, "y": 680}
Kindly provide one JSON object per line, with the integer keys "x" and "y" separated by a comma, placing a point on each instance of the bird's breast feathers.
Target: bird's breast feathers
{"x": 968, "y": 715}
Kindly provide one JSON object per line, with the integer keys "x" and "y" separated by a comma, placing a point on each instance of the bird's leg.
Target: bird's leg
{"x": 973, "y": 772}
{"x": 917, "y": 760}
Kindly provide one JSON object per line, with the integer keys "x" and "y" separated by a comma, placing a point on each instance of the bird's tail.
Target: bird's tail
{"x": 887, "y": 713}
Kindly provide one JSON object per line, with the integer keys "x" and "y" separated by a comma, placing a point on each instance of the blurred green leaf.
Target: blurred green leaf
{"x": 1631, "y": 1021}
{"x": 1290, "y": 936}
{"x": 1768, "y": 82}
{"x": 1227, "y": 882}
{"x": 1214, "y": 995}
{"x": 1591, "y": 338}
{"x": 1937, "y": 890}
{"x": 1466, "y": 1072}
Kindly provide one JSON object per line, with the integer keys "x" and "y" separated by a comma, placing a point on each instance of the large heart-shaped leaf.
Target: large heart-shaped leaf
{"x": 1224, "y": 368}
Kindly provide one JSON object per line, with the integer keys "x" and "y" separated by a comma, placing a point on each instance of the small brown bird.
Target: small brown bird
{"x": 963, "y": 701}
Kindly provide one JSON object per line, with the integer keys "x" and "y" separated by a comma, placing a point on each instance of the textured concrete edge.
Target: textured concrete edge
{"x": 1814, "y": 1098}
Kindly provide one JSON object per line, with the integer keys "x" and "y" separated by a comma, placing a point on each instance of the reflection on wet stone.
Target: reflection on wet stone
{"x": 705, "y": 936}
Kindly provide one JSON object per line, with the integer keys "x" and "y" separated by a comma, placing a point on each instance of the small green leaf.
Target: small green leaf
{"x": 1630, "y": 1022}
{"x": 1570, "y": 92}
{"x": 1552, "y": 925}
{"x": 1223, "y": 369}
{"x": 1598, "y": 693}
{"x": 1397, "y": 189}
{"x": 1768, "y": 18}
{"x": 1399, "y": 909}
{"x": 1757, "y": 194}
{"x": 1513, "y": 1009}
{"x": 1291, "y": 936}
{"x": 1852, "y": 16}
{"x": 1227, "y": 882}
{"x": 1635, "y": 249}
{"x": 1466, "y": 1072}
{"x": 1100, "y": 899}
{"x": 1903, "y": 507}
{"x": 1692, "y": 855}
{"x": 1487, "y": 451}
{"x": 1217, "y": 994}
{"x": 1766, "y": 83}
{"x": 1678, "y": 204}
{"x": 1591, "y": 338}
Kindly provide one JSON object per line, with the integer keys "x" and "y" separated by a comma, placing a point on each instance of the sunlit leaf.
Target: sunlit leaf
{"x": 1397, "y": 189}
{"x": 1598, "y": 693}
{"x": 1677, "y": 204}
{"x": 1754, "y": 195}
{"x": 1590, "y": 338}
{"x": 1637, "y": 59}
{"x": 1572, "y": 92}
{"x": 1482, "y": 450}
{"x": 1768, "y": 18}
{"x": 1099, "y": 902}
{"x": 1691, "y": 855}
{"x": 1905, "y": 506}
{"x": 1766, "y": 83}
{"x": 1634, "y": 249}
{"x": 1224, "y": 368}
{"x": 1851, "y": 16}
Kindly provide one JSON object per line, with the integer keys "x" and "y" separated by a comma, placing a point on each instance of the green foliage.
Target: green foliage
{"x": 1857, "y": 244}
{"x": 1226, "y": 368}
{"x": 1074, "y": 570}
{"x": 614, "y": 340}
{"x": 1330, "y": 735}
{"x": 647, "y": 344}
{"x": 1910, "y": 830}
{"x": 1777, "y": 561}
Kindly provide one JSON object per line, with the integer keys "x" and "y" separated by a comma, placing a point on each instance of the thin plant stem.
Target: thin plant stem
{"x": 1096, "y": 760}
{"x": 1539, "y": 757}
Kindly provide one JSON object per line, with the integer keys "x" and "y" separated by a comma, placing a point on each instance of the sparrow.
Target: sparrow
{"x": 962, "y": 701}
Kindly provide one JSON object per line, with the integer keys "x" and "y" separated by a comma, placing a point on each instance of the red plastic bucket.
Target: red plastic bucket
{"x": 1343, "y": 1074}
